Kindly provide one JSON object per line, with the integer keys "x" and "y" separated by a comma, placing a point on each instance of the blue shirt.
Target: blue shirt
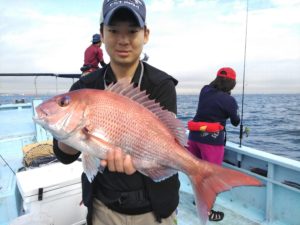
{"x": 214, "y": 106}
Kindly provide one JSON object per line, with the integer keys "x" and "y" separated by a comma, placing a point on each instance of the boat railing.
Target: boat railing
{"x": 37, "y": 75}
{"x": 264, "y": 156}
{"x": 280, "y": 175}
{"x": 18, "y": 106}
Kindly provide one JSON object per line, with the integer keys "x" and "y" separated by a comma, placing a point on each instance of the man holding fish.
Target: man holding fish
{"x": 123, "y": 114}
{"x": 120, "y": 190}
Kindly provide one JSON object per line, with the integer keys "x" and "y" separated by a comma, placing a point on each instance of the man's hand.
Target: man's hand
{"x": 116, "y": 161}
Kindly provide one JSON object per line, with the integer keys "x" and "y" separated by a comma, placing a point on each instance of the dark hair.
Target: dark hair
{"x": 223, "y": 84}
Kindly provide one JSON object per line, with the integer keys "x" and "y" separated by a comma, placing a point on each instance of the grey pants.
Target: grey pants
{"x": 104, "y": 216}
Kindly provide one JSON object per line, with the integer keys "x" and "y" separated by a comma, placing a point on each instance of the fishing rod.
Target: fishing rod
{"x": 244, "y": 69}
{"x": 7, "y": 164}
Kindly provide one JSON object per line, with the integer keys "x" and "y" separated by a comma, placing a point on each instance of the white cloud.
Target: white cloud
{"x": 43, "y": 43}
{"x": 189, "y": 39}
{"x": 207, "y": 36}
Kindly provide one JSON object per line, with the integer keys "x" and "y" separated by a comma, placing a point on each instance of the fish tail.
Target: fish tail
{"x": 214, "y": 180}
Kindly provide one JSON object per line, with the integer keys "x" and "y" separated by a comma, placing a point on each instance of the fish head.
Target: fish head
{"x": 63, "y": 114}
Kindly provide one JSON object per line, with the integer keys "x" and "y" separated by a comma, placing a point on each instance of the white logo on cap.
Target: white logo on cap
{"x": 135, "y": 1}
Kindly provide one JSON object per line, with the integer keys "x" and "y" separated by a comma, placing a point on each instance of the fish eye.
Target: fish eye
{"x": 64, "y": 101}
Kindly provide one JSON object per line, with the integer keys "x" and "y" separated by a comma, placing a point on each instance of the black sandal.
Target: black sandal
{"x": 215, "y": 215}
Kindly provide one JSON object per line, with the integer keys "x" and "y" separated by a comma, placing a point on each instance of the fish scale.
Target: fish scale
{"x": 127, "y": 134}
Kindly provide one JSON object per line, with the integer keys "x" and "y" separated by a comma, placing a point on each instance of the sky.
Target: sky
{"x": 189, "y": 39}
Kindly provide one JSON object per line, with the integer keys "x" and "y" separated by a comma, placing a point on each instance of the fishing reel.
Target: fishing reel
{"x": 244, "y": 131}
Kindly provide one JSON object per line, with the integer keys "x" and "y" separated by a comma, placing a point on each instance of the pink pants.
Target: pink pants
{"x": 210, "y": 153}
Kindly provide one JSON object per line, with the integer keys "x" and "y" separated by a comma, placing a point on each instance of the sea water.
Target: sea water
{"x": 273, "y": 120}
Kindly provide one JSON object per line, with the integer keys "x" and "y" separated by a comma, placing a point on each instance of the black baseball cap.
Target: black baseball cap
{"x": 137, "y": 7}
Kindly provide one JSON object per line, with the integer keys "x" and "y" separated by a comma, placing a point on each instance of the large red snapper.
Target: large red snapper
{"x": 94, "y": 121}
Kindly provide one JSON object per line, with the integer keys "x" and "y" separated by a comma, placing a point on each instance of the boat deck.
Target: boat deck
{"x": 187, "y": 214}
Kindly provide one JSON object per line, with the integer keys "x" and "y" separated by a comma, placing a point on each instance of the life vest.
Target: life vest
{"x": 205, "y": 126}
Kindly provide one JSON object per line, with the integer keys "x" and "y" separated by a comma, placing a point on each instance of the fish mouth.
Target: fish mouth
{"x": 59, "y": 134}
{"x": 40, "y": 117}
{"x": 43, "y": 117}
{"x": 38, "y": 120}
{"x": 41, "y": 114}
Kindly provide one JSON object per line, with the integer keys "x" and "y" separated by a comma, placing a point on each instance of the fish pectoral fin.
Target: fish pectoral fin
{"x": 88, "y": 129}
{"x": 94, "y": 139}
{"x": 91, "y": 165}
{"x": 159, "y": 173}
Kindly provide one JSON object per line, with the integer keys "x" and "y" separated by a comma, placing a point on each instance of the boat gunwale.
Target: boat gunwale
{"x": 265, "y": 156}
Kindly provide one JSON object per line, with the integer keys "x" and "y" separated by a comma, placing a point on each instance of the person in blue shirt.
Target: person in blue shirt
{"x": 207, "y": 134}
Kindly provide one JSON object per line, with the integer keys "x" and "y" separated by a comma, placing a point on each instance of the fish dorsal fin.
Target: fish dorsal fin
{"x": 167, "y": 117}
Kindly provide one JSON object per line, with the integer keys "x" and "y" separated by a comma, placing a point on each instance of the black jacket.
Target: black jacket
{"x": 164, "y": 195}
